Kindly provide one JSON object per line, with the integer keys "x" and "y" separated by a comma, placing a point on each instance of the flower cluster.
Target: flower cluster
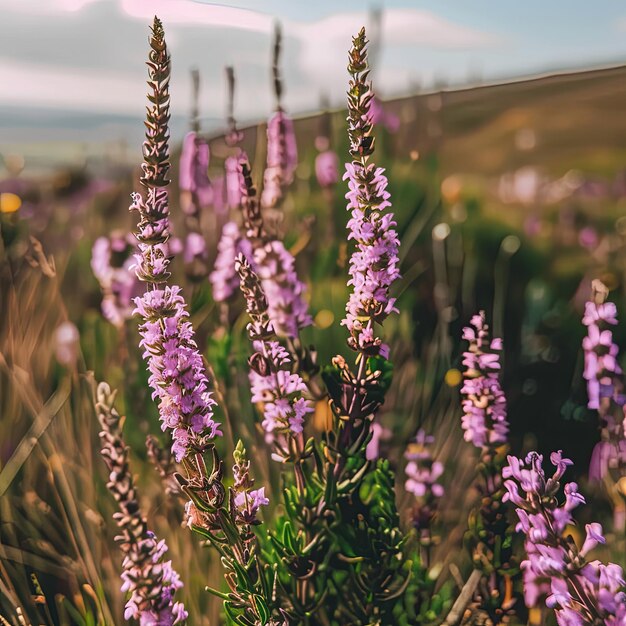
{"x": 484, "y": 404}
{"x": 272, "y": 382}
{"x": 285, "y": 292}
{"x": 176, "y": 369}
{"x": 374, "y": 263}
{"x": 224, "y": 277}
{"x": 111, "y": 262}
{"x": 275, "y": 267}
{"x": 581, "y": 592}
{"x": 422, "y": 474}
{"x": 147, "y": 576}
{"x": 601, "y": 367}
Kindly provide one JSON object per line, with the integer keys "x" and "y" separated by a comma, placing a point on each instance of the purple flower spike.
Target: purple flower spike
{"x": 284, "y": 291}
{"x": 282, "y": 158}
{"x": 273, "y": 385}
{"x": 422, "y": 474}
{"x": 147, "y": 577}
{"x": 193, "y": 176}
{"x": 579, "y": 592}
{"x": 176, "y": 369}
{"x": 484, "y": 403}
{"x": 111, "y": 262}
{"x": 374, "y": 265}
{"x": 327, "y": 168}
{"x": 177, "y": 374}
{"x": 601, "y": 367}
{"x": 275, "y": 267}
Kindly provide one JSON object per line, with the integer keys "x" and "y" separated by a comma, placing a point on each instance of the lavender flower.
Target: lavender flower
{"x": 374, "y": 263}
{"x": 275, "y": 267}
{"x": 422, "y": 475}
{"x": 601, "y": 367}
{"x": 484, "y": 404}
{"x": 605, "y": 387}
{"x": 282, "y": 152}
{"x": 285, "y": 292}
{"x": 147, "y": 577}
{"x": 111, "y": 262}
{"x": 272, "y": 382}
{"x": 224, "y": 278}
{"x": 282, "y": 158}
{"x": 579, "y": 591}
{"x": 177, "y": 373}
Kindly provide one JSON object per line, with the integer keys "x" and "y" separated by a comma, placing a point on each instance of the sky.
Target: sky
{"x": 70, "y": 60}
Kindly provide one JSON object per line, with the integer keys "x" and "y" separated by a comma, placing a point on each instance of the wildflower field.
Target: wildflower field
{"x": 362, "y": 367}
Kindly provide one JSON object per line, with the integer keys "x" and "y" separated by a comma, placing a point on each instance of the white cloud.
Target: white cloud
{"x": 41, "y": 85}
{"x": 94, "y": 62}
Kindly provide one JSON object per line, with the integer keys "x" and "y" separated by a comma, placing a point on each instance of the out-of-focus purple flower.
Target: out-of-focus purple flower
{"x": 224, "y": 278}
{"x": 327, "y": 168}
{"x": 273, "y": 384}
{"x": 379, "y": 434}
{"x": 484, "y": 403}
{"x": 380, "y": 117}
{"x": 66, "y": 343}
{"x": 606, "y": 456}
{"x": 193, "y": 174}
{"x": 285, "y": 292}
{"x": 233, "y": 181}
{"x": 111, "y": 262}
{"x": 422, "y": 475}
{"x": 588, "y": 238}
{"x": 601, "y": 367}
{"x": 195, "y": 248}
{"x": 579, "y": 592}
{"x": 282, "y": 158}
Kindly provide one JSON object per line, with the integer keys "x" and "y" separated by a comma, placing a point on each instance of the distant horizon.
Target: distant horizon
{"x": 31, "y": 126}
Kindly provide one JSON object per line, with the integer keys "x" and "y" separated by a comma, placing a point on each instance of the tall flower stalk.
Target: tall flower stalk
{"x": 178, "y": 376}
{"x": 581, "y": 592}
{"x": 605, "y": 390}
{"x": 177, "y": 373}
{"x": 486, "y": 426}
{"x": 373, "y": 264}
{"x": 148, "y": 578}
{"x": 356, "y": 396}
